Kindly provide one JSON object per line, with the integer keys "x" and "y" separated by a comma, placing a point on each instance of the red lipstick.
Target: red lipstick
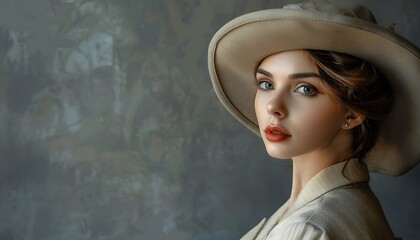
{"x": 276, "y": 134}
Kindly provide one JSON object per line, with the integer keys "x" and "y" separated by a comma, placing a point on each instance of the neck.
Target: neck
{"x": 306, "y": 167}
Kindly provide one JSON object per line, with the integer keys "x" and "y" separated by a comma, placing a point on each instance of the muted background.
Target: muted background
{"x": 110, "y": 129}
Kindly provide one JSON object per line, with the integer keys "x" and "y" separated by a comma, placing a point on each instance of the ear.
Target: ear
{"x": 352, "y": 120}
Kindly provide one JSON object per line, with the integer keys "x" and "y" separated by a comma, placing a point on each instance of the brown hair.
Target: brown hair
{"x": 361, "y": 87}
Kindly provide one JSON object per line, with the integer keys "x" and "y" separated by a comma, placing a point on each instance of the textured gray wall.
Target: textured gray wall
{"x": 109, "y": 128}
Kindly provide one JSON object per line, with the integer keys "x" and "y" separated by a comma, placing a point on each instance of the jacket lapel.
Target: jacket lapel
{"x": 260, "y": 231}
{"x": 252, "y": 234}
{"x": 335, "y": 176}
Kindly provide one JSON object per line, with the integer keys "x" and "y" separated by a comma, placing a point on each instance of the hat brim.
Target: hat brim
{"x": 237, "y": 49}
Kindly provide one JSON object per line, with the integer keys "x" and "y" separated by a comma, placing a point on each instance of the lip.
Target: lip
{"x": 276, "y": 134}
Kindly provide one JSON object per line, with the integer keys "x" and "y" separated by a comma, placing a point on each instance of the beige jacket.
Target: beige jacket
{"x": 337, "y": 203}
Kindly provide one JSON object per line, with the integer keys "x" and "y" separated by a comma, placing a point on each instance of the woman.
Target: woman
{"x": 348, "y": 107}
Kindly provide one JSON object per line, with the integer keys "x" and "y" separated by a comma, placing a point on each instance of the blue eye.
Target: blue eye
{"x": 306, "y": 90}
{"x": 265, "y": 85}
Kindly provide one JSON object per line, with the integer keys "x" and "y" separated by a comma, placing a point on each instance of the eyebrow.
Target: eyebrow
{"x": 291, "y": 76}
{"x": 264, "y": 72}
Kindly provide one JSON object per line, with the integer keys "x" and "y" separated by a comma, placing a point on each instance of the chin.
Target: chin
{"x": 278, "y": 153}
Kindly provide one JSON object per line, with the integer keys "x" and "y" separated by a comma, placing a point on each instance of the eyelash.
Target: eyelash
{"x": 304, "y": 85}
{"x": 300, "y": 86}
{"x": 259, "y": 82}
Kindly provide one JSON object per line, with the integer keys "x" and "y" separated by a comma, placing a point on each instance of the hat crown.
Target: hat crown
{"x": 325, "y": 6}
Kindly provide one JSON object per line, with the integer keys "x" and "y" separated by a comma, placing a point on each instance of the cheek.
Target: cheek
{"x": 319, "y": 117}
{"x": 259, "y": 106}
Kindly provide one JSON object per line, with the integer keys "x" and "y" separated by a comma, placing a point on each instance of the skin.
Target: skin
{"x": 290, "y": 95}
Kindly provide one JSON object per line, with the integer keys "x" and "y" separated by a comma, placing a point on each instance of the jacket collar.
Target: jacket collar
{"x": 337, "y": 175}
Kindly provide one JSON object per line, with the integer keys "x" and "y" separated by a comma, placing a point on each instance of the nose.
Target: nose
{"x": 277, "y": 106}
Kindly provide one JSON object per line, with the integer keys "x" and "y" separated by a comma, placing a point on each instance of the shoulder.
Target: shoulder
{"x": 353, "y": 205}
{"x": 351, "y": 212}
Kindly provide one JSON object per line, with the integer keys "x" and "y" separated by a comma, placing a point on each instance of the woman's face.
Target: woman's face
{"x": 295, "y": 115}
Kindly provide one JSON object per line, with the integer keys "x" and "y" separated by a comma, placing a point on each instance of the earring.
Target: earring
{"x": 347, "y": 123}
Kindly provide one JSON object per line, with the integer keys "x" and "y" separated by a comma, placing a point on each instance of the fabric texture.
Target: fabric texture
{"x": 337, "y": 203}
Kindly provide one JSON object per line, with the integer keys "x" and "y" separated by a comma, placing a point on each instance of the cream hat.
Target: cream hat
{"x": 238, "y": 47}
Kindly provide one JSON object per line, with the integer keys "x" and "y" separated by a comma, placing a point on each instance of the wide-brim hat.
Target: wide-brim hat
{"x": 238, "y": 48}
